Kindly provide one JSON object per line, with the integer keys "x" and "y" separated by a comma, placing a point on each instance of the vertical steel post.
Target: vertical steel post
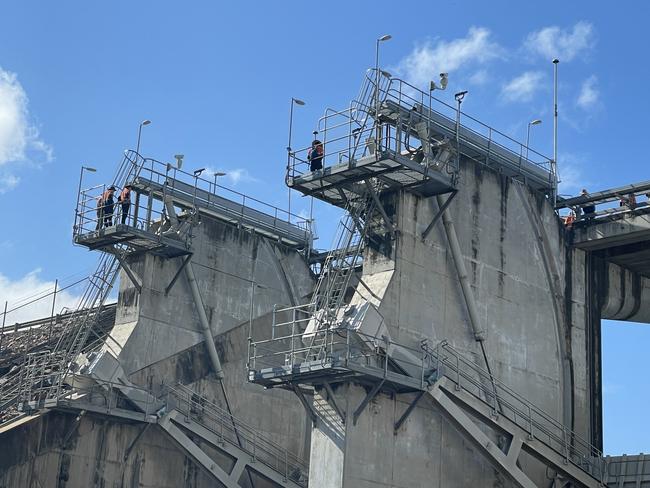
{"x": 56, "y": 285}
{"x": 4, "y": 319}
{"x": 554, "y": 165}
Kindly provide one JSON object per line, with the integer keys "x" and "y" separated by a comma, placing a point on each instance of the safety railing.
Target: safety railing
{"x": 471, "y": 378}
{"x": 293, "y": 342}
{"x": 292, "y": 345}
{"x": 207, "y": 193}
{"x": 350, "y": 134}
{"x": 236, "y": 432}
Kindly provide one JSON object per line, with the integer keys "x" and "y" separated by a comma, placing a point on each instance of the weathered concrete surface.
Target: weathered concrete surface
{"x": 227, "y": 261}
{"x": 532, "y": 300}
{"x": 58, "y": 451}
{"x": 277, "y": 414}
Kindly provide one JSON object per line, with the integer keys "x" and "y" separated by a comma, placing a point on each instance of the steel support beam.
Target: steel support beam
{"x": 506, "y": 463}
{"x": 380, "y": 207}
{"x": 178, "y": 273}
{"x": 408, "y": 411}
{"x": 131, "y": 274}
{"x": 308, "y": 407}
{"x": 369, "y": 396}
{"x": 330, "y": 397}
{"x": 437, "y": 216}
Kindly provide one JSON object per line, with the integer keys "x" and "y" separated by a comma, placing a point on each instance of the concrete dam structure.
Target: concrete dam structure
{"x": 449, "y": 338}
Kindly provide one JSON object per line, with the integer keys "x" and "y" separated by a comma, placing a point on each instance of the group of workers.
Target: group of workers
{"x": 106, "y": 206}
{"x": 588, "y": 210}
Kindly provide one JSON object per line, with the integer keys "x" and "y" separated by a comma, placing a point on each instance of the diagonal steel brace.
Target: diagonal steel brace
{"x": 132, "y": 276}
{"x": 380, "y": 207}
{"x": 437, "y": 216}
{"x": 371, "y": 394}
{"x": 178, "y": 273}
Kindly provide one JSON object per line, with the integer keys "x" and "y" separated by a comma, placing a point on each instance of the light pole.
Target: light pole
{"x": 294, "y": 101}
{"x": 142, "y": 124}
{"x": 81, "y": 175}
{"x": 554, "y": 165}
{"x": 383, "y": 38}
{"x": 532, "y": 122}
{"x": 459, "y": 99}
{"x": 216, "y": 175}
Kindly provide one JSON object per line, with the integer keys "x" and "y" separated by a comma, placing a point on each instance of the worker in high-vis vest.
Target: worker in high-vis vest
{"x": 125, "y": 202}
{"x": 108, "y": 205}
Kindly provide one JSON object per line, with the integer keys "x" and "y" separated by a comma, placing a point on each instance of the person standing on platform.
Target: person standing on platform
{"x": 108, "y": 206}
{"x": 315, "y": 156}
{"x": 125, "y": 201}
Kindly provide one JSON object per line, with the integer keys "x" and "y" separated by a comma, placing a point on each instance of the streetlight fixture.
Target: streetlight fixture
{"x": 294, "y": 101}
{"x": 142, "y": 124}
{"x": 532, "y": 122}
{"x": 216, "y": 175}
{"x": 459, "y": 99}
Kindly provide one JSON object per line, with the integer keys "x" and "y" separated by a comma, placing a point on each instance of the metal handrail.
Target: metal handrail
{"x": 468, "y": 376}
{"x": 287, "y": 348}
{"x": 154, "y": 167}
{"x": 236, "y": 432}
{"x": 355, "y": 121}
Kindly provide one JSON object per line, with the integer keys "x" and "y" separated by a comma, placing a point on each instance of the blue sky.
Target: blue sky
{"x": 76, "y": 79}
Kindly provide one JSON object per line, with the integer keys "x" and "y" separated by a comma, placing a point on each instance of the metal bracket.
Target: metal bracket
{"x": 408, "y": 411}
{"x": 437, "y": 216}
{"x": 371, "y": 394}
{"x": 330, "y": 397}
{"x": 308, "y": 408}
{"x": 178, "y": 273}
{"x": 132, "y": 276}
{"x": 380, "y": 207}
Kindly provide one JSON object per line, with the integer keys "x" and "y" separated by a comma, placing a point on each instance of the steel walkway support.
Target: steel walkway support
{"x": 241, "y": 459}
{"x": 458, "y": 405}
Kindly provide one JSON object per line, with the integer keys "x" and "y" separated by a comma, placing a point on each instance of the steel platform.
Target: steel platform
{"x": 394, "y": 170}
{"x": 138, "y": 240}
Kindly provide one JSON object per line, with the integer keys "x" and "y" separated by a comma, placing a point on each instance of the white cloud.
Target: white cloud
{"x": 523, "y": 87}
{"x": 426, "y": 61}
{"x": 589, "y": 94}
{"x": 564, "y": 44}
{"x": 19, "y": 137}
{"x": 20, "y": 291}
{"x": 232, "y": 177}
{"x": 480, "y": 77}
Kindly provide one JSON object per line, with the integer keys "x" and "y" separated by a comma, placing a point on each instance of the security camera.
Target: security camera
{"x": 179, "y": 160}
{"x": 444, "y": 79}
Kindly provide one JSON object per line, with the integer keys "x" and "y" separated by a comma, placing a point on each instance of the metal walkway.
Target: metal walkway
{"x": 618, "y": 228}
{"x": 243, "y": 452}
{"x": 460, "y": 389}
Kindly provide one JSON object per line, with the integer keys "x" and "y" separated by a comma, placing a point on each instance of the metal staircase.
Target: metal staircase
{"x": 245, "y": 457}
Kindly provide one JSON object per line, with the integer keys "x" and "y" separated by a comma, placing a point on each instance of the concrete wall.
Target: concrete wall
{"x": 151, "y": 326}
{"x": 533, "y": 311}
{"x": 57, "y": 451}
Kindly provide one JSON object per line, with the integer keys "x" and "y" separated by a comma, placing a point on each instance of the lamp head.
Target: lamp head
{"x": 197, "y": 172}
{"x": 89, "y": 169}
{"x": 535, "y": 122}
{"x": 385, "y": 37}
{"x": 146, "y": 122}
{"x": 219, "y": 173}
{"x": 555, "y": 60}
{"x": 460, "y": 95}
{"x": 297, "y": 101}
